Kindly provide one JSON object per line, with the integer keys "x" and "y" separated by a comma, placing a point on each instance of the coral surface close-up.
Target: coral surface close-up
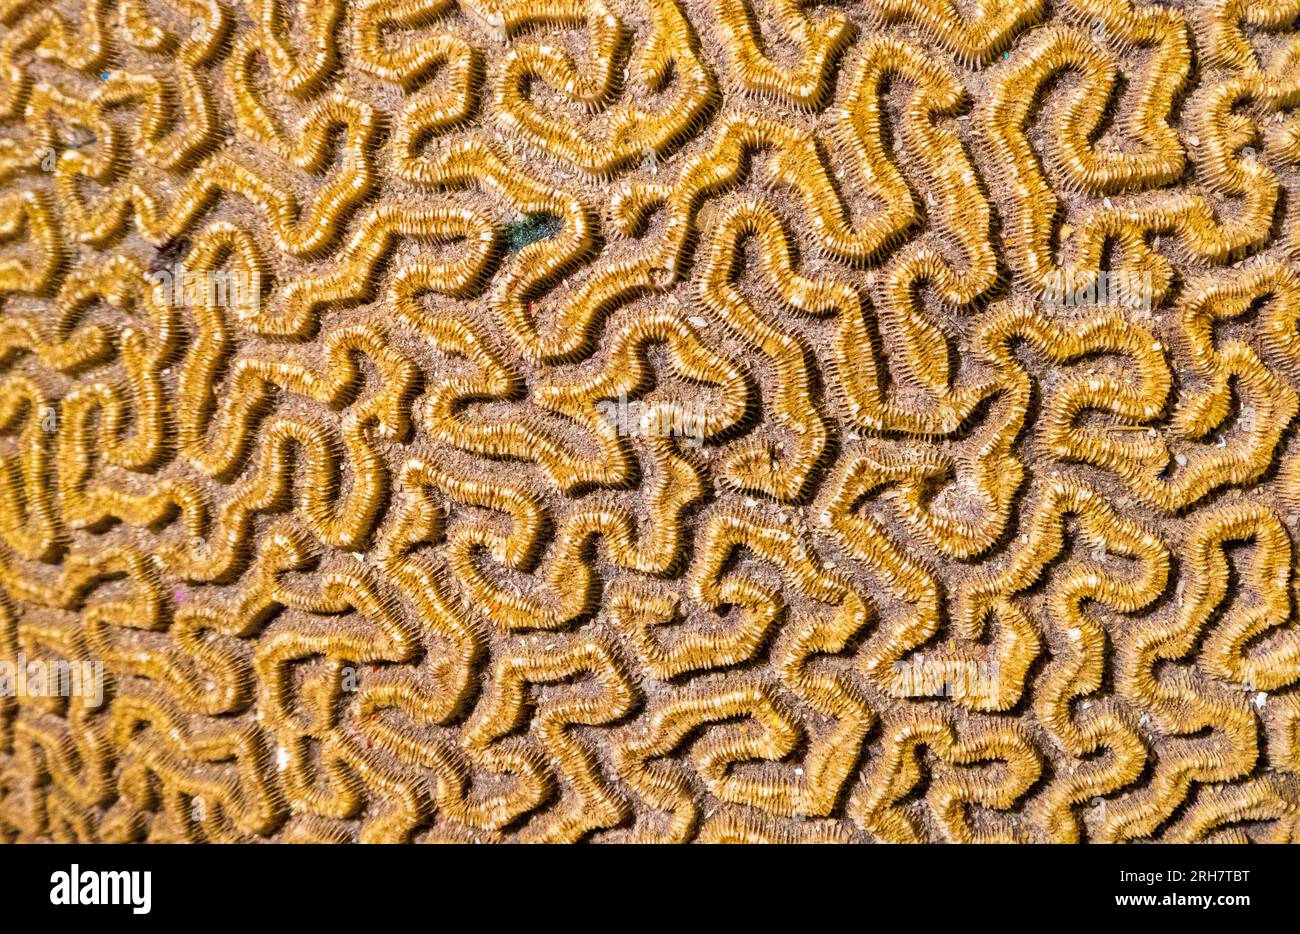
{"x": 649, "y": 420}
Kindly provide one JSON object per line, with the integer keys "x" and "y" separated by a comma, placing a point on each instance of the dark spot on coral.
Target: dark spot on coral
{"x": 531, "y": 229}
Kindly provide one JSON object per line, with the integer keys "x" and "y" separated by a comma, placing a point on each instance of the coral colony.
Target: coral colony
{"x": 544, "y": 420}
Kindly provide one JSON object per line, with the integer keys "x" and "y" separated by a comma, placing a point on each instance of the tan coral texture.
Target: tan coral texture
{"x": 649, "y": 420}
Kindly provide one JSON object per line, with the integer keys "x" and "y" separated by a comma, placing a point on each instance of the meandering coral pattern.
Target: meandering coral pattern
{"x": 313, "y": 316}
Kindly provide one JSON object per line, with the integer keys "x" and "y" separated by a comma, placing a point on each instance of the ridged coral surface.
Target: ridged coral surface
{"x": 650, "y": 420}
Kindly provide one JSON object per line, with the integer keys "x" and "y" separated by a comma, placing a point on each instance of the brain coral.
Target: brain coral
{"x": 649, "y": 420}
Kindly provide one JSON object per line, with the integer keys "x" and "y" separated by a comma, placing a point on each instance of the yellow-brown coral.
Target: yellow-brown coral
{"x": 650, "y": 420}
